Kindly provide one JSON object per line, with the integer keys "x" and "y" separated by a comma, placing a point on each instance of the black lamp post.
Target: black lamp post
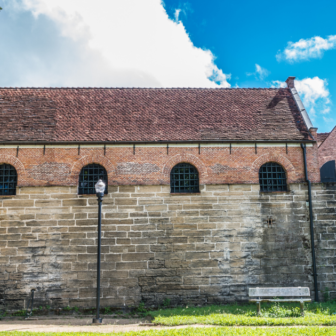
{"x": 100, "y": 188}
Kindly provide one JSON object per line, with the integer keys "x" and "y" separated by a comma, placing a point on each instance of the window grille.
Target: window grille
{"x": 184, "y": 179}
{"x": 272, "y": 177}
{"x": 89, "y": 176}
{"x": 8, "y": 180}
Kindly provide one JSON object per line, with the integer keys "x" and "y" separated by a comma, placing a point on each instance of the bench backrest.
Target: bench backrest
{"x": 279, "y": 291}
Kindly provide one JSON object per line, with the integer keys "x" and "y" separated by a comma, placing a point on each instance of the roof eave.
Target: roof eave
{"x": 149, "y": 142}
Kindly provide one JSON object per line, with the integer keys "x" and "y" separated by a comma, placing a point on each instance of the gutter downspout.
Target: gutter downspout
{"x": 311, "y": 223}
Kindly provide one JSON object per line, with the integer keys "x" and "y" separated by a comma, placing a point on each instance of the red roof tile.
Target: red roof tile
{"x": 321, "y": 137}
{"x": 86, "y": 114}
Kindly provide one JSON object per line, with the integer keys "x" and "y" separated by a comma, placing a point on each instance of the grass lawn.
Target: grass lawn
{"x": 245, "y": 315}
{"x": 213, "y": 331}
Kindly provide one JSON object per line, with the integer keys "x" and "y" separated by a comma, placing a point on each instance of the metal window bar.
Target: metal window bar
{"x": 272, "y": 177}
{"x": 8, "y": 180}
{"x": 89, "y": 176}
{"x": 184, "y": 179}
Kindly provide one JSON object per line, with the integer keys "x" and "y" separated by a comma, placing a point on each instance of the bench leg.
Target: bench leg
{"x": 302, "y": 308}
{"x": 258, "y": 307}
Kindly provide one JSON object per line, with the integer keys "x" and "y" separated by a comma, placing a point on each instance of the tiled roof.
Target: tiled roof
{"x": 107, "y": 114}
{"x": 321, "y": 137}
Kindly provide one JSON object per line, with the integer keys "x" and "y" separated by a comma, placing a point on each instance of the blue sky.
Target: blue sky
{"x": 149, "y": 43}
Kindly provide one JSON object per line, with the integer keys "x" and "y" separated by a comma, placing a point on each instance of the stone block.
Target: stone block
{"x": 137, "y": 256}
{"x": 185, "y": 226}
{"x": 76, "y": 202}
{"x": 171, "y": 240}
{"x": 86, "y": 222}
{"x": 203, "y": 281}
{"x": 93, "y": 249}
{"x": 126, "y": 189}
{"x": 66, "y": 222}
{"x": 41, "y": 223}
{"x": 203, "y": 263}
{"x": 130, "y": 208}
{"x": 240, "y": 187}
{"x": 9, "y": 223}
{"x": 109, "y": 241}
{"x": 217, "y": 187}
{"x": 204, "y": 200}
{"x": 131, "y": 265}
{"x": 126, "y": 221}
{"x": 148, "y": 189}
{"x": 156, "y": 208}
{"x": 118, "y": 215}
{"x": 197, "y": 255}
{"x": 12, "y": 251}
{"x": 114, "y": 234}
{"x": 150, "y": 201}
{"x": 31, "y": 190}
{"x": 17, "y": 203}
{"x": 48, "y": 203}
{"x": 125, "y": 201}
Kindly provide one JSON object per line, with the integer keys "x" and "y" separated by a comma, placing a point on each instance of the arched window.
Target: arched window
{"x": 184, "y": 179}
{"x": 272, "y": 177}
{"x": 328, "y": 173}
{"x": 8, "y": 180}
{"x": 89, "y": 176}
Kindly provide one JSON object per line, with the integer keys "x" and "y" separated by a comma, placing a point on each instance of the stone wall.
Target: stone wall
{"x": 199, "y": 248}
{"x": 324, "y": 197}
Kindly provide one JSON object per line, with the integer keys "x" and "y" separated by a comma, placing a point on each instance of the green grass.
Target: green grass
{"x": 312, "y": 331}
{"x": 245, "y": 315}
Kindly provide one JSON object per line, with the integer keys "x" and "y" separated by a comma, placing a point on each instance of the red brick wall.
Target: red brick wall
{"x": 327, "y": 151}
{"x": 152, "y": 165}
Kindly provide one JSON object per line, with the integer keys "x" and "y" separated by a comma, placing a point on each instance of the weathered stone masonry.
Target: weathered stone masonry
{"x": 200, "y": 248}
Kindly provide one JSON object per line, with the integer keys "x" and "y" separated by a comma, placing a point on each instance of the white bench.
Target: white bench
{"x": 270, "y": 295}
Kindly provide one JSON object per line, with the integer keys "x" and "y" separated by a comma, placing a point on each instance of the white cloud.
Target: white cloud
{"x": 114, "y": 43}
{"x": 260, "y": 72}
{"x": 314, "y": 94}
{"x": 329, "y": 120}
{"x": 278, "y": 84}
{"x": 184, "y": 8}
{"x": 177, "y": 14}
{"x": 307, "y": 49}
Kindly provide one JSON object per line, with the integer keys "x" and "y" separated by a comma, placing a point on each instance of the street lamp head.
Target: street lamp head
{"x": 100, "y": 187}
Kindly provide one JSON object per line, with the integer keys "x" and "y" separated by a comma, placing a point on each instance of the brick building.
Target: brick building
{"x": 327, "y": 155}
{"x": 206, "y": 194}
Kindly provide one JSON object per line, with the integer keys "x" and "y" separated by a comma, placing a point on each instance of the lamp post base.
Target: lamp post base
{"x": 97, "y": 321}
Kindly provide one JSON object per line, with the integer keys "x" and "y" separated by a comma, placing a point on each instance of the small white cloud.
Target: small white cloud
{"x": 314, "y": 94}
{"x": 260, "y": 72}
{"x": 278, "y": 84}
{"x": 177, "y": 14}
{"x": 329, "y": 120}
{"x": 306, "y": 49}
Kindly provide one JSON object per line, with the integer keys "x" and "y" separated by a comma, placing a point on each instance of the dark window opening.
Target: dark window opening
{"x": 272, "y": 177}
{"x": 8, "y": 180}
{"x": 184, "y": 179}
{"x": 328, "y": 173}
{"x": 89, "y": 176}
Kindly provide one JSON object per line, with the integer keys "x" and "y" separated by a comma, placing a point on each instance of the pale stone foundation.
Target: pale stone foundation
{"x": 193, "y": 249}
